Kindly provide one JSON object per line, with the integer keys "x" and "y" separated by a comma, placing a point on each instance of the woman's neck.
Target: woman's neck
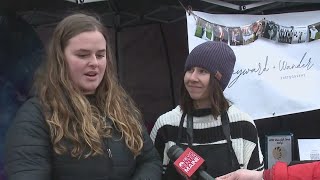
{"x": 201, "y": 104}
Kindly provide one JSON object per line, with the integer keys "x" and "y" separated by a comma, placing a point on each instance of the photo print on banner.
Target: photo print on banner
{"x": 299, "y": 35}
{"x": 248, "y": 35}
{"x": 286, "y": 34}
{"x": 199, "y": 28}
{"x": 251, "y": 32}
{"x": 209, "y": 31}
{"x": 235, "y": 34}
{"x": 220, "y": 33}
{"x": 271, "y": 30}
{"x": 314, "y": 31}
{"x": 204, "y": 29}
{"x": 258, "y": 29}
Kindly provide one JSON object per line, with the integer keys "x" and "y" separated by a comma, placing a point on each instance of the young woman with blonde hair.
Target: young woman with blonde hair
{"x": 81, "y": 124}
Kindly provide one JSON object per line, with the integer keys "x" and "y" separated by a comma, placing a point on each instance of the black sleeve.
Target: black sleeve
{"x": 149, "y": 166}
{"x": 159, "y": 143}
{"x": 28, "y": 146}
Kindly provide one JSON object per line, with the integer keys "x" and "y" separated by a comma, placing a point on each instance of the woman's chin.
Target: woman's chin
{"x": 89, "y": 90}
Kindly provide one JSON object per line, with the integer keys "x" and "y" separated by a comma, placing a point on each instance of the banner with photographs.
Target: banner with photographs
{"x": 277, "y": 71}
{"x": 246, "y": 34}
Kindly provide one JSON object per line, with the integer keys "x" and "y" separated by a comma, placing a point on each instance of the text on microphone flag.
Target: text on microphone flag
{"x": 189, "y": 162}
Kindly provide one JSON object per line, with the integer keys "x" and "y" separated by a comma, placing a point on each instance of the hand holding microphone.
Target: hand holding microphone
{"x": 187, "y": 162}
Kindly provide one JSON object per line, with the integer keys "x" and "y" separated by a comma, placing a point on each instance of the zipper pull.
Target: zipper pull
{"x": 109, "y": 153}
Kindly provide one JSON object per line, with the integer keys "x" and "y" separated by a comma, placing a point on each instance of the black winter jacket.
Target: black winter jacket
{"x": 29, "y": 154}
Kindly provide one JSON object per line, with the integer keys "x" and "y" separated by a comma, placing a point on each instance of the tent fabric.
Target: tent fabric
{"x": 21, "y": 52}
{"x": 146, "y": 57}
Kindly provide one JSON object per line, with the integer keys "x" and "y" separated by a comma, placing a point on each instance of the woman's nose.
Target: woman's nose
{"x": 93, "y": 61}
{"x": 194, "y": 76}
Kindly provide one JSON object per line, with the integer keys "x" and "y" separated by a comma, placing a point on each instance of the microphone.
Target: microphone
{"x": 187, "y": 162}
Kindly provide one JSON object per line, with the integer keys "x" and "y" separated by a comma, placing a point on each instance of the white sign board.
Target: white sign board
{"x": 270, "y": 78}
{"x": 309, "y": 149}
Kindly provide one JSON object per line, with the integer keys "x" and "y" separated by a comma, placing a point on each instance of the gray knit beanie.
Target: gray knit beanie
{"x": 216, "y": 57}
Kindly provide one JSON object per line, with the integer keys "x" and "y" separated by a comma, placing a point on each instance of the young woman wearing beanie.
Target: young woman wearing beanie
{"x": 205, "y": 120}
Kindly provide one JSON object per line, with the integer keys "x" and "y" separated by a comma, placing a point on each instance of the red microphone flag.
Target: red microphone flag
{"x": 188, "y": 163}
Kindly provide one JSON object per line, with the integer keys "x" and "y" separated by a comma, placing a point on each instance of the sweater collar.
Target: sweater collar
{"x": 201, "y": 112}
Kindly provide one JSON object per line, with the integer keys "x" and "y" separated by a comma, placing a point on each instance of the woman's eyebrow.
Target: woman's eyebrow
{"x": 82, "y": 50}
{"x": 102, "y": 51}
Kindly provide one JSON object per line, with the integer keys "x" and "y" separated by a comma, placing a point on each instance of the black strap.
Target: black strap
{"x": 189, "y": 129}
{"x": 226, "y": 131}
{"x": 180, "y": 129}
{"x": 226, "y": 126}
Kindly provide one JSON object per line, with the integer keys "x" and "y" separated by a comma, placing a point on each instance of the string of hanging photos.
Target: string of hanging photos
{"x": 247, "y": 34}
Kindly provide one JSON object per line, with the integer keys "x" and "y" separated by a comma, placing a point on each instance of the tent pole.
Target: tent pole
{"x": 173, "y": 100}
{"x": 117, "y": 52}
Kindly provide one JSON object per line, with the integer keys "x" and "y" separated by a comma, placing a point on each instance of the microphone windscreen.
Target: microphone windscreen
{"x": 174, "y": 152}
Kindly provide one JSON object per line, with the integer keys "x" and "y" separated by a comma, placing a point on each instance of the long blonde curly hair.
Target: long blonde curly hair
{"x": 69, "y": 114}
